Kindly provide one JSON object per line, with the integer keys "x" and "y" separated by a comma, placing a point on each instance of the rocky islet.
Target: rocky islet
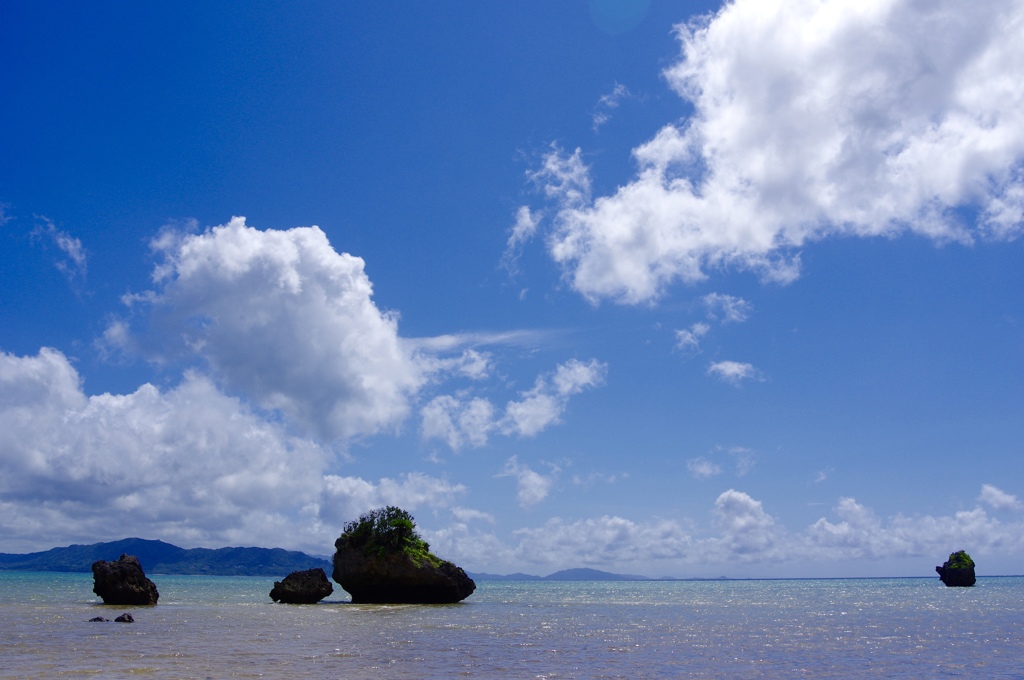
{"x": 123, "y": 582}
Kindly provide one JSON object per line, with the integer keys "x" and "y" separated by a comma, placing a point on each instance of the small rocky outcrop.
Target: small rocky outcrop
{"x": 302, "y": 587}
{"x": 957, "y": 571}
{"x": 97, "y": 619}
{"x": 123, "y": 582}
{"x": 380, "y": 559}
{"x": 125, "y": 618}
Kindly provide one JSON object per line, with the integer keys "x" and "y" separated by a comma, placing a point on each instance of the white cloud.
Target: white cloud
{"x": 345, "y": 498}
{"x": 463, "y": 421}
{"x": 729, "y": 308}
{"x": 74, "y": 266}
{"x": 522, "y": 231}
{"x": 601, "y": 541}
{"x": 459, "y": 423}
{"x": 470, "y": 363}
{"x": 608, "y": 103}
{"x": 284, "y": 319}
{"x": 469, "y": 514}
{"x": 861, "y": 534}
{"x": 998, "y": 499}
{"x": 811, "y": 119}
{"x": 688, "y": 341}
{"x": 702, "y": 468}
{"x": 524, "y": 228}
{"x": 745, "y": 460}
{"x": 189, "y": 465}
{"x": 733, "y": 372}
{"x": 745, "y": 540}
{"x": 544, "y": 404}
{"x": 746, "y": 528}
{"x": 563, "y": 178}
{"x": 532, "y": 487}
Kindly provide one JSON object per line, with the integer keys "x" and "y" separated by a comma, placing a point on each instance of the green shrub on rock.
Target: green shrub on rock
{"x": 386, "y": 531}
{"x": 380, "y": 559}
{"x": 960, "y": 560}
{"x": 958, "y": 571}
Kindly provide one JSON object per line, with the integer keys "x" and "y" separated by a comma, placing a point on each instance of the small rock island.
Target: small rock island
{"x": 381, "y": 559}
{"x": 122, "y": 582}
{"x": 302, "y": 587}
{"x": 957, "y": 571}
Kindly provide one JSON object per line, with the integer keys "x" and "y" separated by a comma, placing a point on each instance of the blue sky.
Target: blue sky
{"x": 677, "y": 289}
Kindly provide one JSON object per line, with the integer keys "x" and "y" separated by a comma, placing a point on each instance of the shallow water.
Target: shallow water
{"x": 227, "y": 627}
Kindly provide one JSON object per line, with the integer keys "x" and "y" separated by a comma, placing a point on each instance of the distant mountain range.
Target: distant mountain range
{"x": 564, "y": 575}
{"x": 158, "y": 557}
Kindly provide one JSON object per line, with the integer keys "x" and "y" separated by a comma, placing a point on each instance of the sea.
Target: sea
{"x": 228, "y": 627}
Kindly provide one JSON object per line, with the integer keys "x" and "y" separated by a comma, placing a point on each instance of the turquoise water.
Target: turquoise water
{"x": 227, "y": 627}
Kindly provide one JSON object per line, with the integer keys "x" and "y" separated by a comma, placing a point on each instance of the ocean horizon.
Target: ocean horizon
{"x": 227, "y": 627}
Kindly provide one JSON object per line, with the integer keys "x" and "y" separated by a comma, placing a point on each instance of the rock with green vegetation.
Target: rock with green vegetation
{"x": 380, "y": 559}
{"x": 958, "y": 570}
{"x": 302, "y": 587}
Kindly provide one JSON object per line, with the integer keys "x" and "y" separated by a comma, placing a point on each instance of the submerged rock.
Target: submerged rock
{"x": 123, "y": 582}
{"x": 125, "y": 618}
{"x": 380, "y": 559}
{"x": 957, "y": 571}
{"x": 302, "y": 587}
{"x": 97, "y": 619}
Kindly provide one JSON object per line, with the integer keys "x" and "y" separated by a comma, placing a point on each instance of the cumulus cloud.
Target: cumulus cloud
{"x": 811, "y": 119}
{"x": 733, "y": 372}
{"x": 544, "y": 404}
{"x": 284, "y": 319}
{"x": 463, "y": 421}
{"x": 345, "y": 498}
{"x": 861, "y": 534}
{"x": 743, "y": 533}
{"x": 470, "y": 514}
{"x": 458, "y": 423}
{"x": 187, "y": 464}
{"x": 746, "y": 528}
{"x": 602, "y": 541}
{"x": 997, "y": 499}
{"x": 532, "y": 487}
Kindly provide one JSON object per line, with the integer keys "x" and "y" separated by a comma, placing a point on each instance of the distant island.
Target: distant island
{"x": 563, "y": 575}
{"x": 159, "y": 557}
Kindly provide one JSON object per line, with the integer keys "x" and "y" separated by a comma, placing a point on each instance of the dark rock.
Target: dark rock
{"x": 125, "y": 618}
{"x": 97, "y": 619}
{"x": 957, "y": 571}
{"x": 302, "y": 587}
{"x": 123, "y": 582}
{"x": 392, "y": 578}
